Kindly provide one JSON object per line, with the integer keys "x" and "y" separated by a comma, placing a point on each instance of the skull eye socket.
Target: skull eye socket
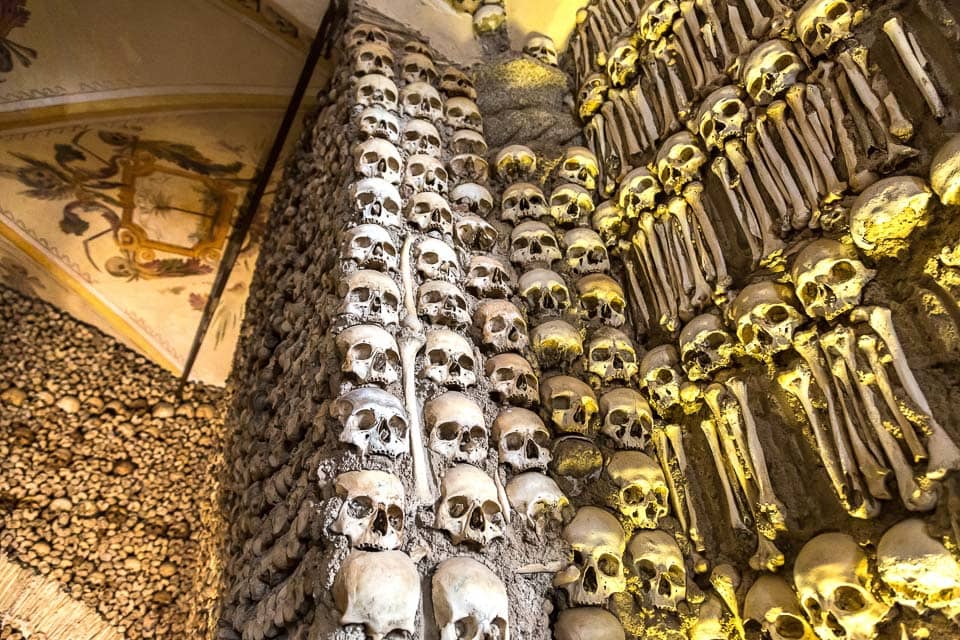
{"x": 609, "y": 565}
{"x": 466, "y": 628}
{"x": 360, "y": 507}
{"x": 842, "y": 272}
{"x": 366, "y": 419}
{"x": 714, "y": 340}
{"x": 837, "y": 11}
{"x": 618, "y": 417}
{"x": 361, "y": 351}
{"x": 809, "y": 37}
{"x": 849, "y": 599}
{"x": 686, "y": 154}
{"x": 448, "y": 430}
{"x": 513, "y": 442}
{"x": 809, "y": 291}
{"x": 466, "y": 362}
{"x": 561, "y": 403}
{"x": 600, "y": 354}
{"x": 788, "y": 626}
{"x": 458, "y": 506}
{"x": 783, "y": 62}
{"x": 777, "y": 314}
{"x": 395, "y": 516}
{"x": 632, "y": 495}
{"x": 437, "y": 356}
{"x": 646, "y": 571}
{"x": 747, "y": 334}
{"x": 503, "y": 374}
{"x": 362, "y": 242}
{"x": 399, "y": 426}
{"x": 664, "y": 376}
{"x": 432, "y": 297}
{"x": 497, "y": 324}
{"x": 756, "y": 87}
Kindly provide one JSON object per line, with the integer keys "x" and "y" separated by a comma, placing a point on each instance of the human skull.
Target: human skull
{"x": 705, "y": 347}
{"x": 770, "y": 70}
{"x": 467, "y": 6}
{"x": 449, "y": 361}
{"x": 378, "y": 202}
{"x": 512, "y": 379}
{"x": 823, "y": 23}
{"x": 372, "y": 512}
{"x": 622, "y": 62}
{"x": 523, "y": 201}
{"x": 458, "y": 431}
{"x": 545, "y": 292}
{"x": 470, "y": 601}
{"x": 373, "y": 58}
{"x": 373, "y": 421}
{"x": 365, "y": 34}
{"x": 578, "y": 461}
{"x": 469, "y": 167}
{"x": 537, "y": 499}
{"x": 377, "y": 122}
{"x": 370, "y": 296}
{"x": 611, "y": 356}
{"x": 473, "y": 197}
{"x": 469, "y": 509}
{"x": 585, "y": 252}
{"x": 766, "y": 318}
{"x": 656, "y": 19}
{"x": 542, "y": 48}
{"x": 945, "y": 172}
{"x": 885, "y": 215}
{"x": 570, "y": 405}
{"x": 579, "y": 166}
{"x": 428, "y": 211}
{"x": 723, "y": 116}
{"x": 443, "y": 304}
{"x": 475, "y": 234}
{"x": 610, "y": 222}
{"x": 657, "y": 561}
{"x": 501, "y": 326}
{"x": 522, "y": 438}
{"x": 587, "y": 623}
{"x": 425, "y": 174}
{"x": 829, "y": 278}
{"x": 515, "y": 162}
{"x": 490, "y": 277}
{"x": 467, "y": 141}
{"x": 602, "y": 298}
{"x": 626, "y": 418}
{"x": 569, "y": 204}
{"x": 415, "y": 46}
{"x": 417, "y": 67}
{"x": 773, "y": 603}
{"x": 638, "y": 192}
{"x": 370, "y": 246}
{"x": 420, "y": 137}
{"x": 456, "y": 84}
{"x": 832, "y": 576}
{"x": 376, "y": 90}
{"x": 379, "y": 590}
{"x": 436, "y": 260}
{"x": 660, "y": 375}
{"x": 377, "y": 158}
{"x": 556, "y": 343}
{"x": 369, "y": 355}
{"x": 463, "y": 113}
{"x": 679, "y": 161}
{"x": 598, "y": 544}
{"x": 919, "y": 569}
{"x": 642, "y": 496}
{"x": 592, "y": 95}
{"x": 489, "y": 18}
{"x": 421, "y": 100}
{"x": 533, "y": 243}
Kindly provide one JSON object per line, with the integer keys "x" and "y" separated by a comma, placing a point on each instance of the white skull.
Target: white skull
{"x": 473, "y": 197}
{"x": 377, "y": 158}
{"x": 626, "y": 418}
{"x": 570, "y": 405}
{"x": 602, "y": 298}
{"x": 376, "y": 90}
{"x": 420, "y": 137}
{"x": 469, "y": 167}
{"x": 501, "y": 326}
{"x": 622, "y": 62}
{"x": 823, "y": 23}
{"x": 428, "y": 211}
{"x": 705, "y": 347}
{"x": 611, "y": 356}
{"x": 425, "y": 174}
{"x": 373, "y": 509}
{"x": 523, "y": 201}
{"x": 556, "y": 343}
{"x": 436, "y": 260}
{"x": 587, "y": 623}
{"x": 656, "y": 559}
{"x": 829, "y": 278}
{"x": 470, "y": 602}
{"x": 469, "y": 509}
{"x": 679, "y": 161}
{"x": 523, "y": 440}
{"x": 773, "y": 603}
{"x": 656, "y": 19}
{"x": 373, "y": 58}
{"x": 545, "y": 292}
{"x": 417, "y": 67}
{"x": 610, "y": 222}
{"x": 516, "y": 162}
{"x": 541, "y": 48}
{"x": 579, "y": 166}
{"x": 638, "y": 192}
{"x": 365, "y": 34}
{"x": 457, "y": 428}
{"x": 920, "y": 570}
{"x": 421, "y": 100}
{"x": 770, "y": 70}
{"x": 592, "y": 95}
{"x": 377, "y": 122}
{"x": 832, "y": 576}
{"x": 766, "y": 318}
{"x": 489, "y": 18}
{"x": 373, "y": 421}
{"x": 456, "y": 84}
{"x": 642, "y": 496}
{"x": 379, "y": 590}
{"x": 370, "y": 296}
{"x": 533, "y": 243}
{"x": 449, "y": 360}
{"x": 585, "y": 252}
{"x": 467, "y": 141}
{"x": 569, "y": 204}
{"x": 598, "y": 544}
{"x": 723, "y": 116}
{"x": 661, "y": 376}
{"x": 490, "y": 277}
{"x": 378, "y": 202}
{"x": 538, "y": 500}
{"x": 463, "y": 113}
{"x": 475, "y": 234}
{"x": 443, "y": 304}
{"x": 370, "y": 246}
{"x": 369, "y": 355}
{"x": 512, "y": 379}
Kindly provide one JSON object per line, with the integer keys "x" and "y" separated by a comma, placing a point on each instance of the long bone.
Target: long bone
{"x": 710, "y": 71}
{"x": 900, "y": 126}
{"x": 822, "y": 125}
{"x": 801, "y": 215}
{"x": 678, "y": 209}
{"x": 819, "y": 183}
{"x": 581, "y": 52}
{"x": 612, "y": 9}
{"x": 725, "y": 579}
{"x": 627, "y": 128}
{"x": 599, "y": 29}
{"x": 665, "y": 53}
{"x": 763, "y": 222}
{"x": 912, "y": 57}
{"x": 641, "y": 250}
{"x": 796, "y": 98}
{"x": 861, "y": 119}
{"x": 614, "y": 135}
{"x": 669, "y": 120}
{"x": 714, "y": 396}
{"x": 859, "y": 180}
{"x": 595, "y": 134}
{"x": 703, "y": 255}
{"x": 693, "y": 194}
{"x": 721, "y": 167}
{"x": 678, "y": 277}
{"x": 689, "y": 55}
{"x": 777, "y": 180}
{"x": 628, "y": 108}
{"x": 675, "y": 435}
{"x": 641, "y": 313}
{"x": 761, "y": 23}
{"x": 745, "y": 44}
{"x": 714, "y": 31}
{"x": 639, "y": 102}
{"x": 661, "y": 444}
{"x": 752, "y": 156}
{"x": 776, "y": 112}
{"x": 944, "y": 453}
{"x": 841, "y": 342}
{"x": 658, "y": 267}
{"x": 709, "y": 428}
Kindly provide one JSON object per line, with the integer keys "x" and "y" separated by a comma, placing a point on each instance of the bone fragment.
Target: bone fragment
{"x": 912, "y": 58}
{"x": 693, "y": 194}
{"x": 709, "y": 429}
{"x": 796, "y": 98}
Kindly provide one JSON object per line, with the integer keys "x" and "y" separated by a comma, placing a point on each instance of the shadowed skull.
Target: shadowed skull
{"x": 532, "y": 243}
{"x": 369, "y": 355}
{"x": 638, "y": 192}
{"x": 373, "y": 58}
{"x": 421, "y": 100}
{"x": 469, "y": 509}
{"x": 705, "y": 347}
{"x": 377, "y": 158}
{"x": 443, "y": 303}
{"x": 522, "y": 438}
{"x": 501, "y": 326}
{"x": 829, "y": 278}
{"x": 378, "y": 202}
{"x": 592, "y": 95}
{"x": 569, "y": 204}
{"x": 469, "y": 601}
{"x": 379, "y": 590}
{"x": 679, "y": 161}
{"x": 417, "y": 67}
{"x": 773, "y": 603}
{"x": 475, "y": 234}
{"x": 611, "y": 356}
{"x": 370, "y": 296}
{"x": 516, "y": 162}
{"x": 642, "y": 496}
{"x": 598, "y": 544}
{"x": 622, "y": 62}
{"x": 823, "y": 23}
{"x": 377, "y": 122}
{"x": 626, "y": 418}
{"x": 457, "y": 428}
{"x": 585, "y": 252}
{"x": 570, "y": 405}
{"x": 436, "y": 260}
{"x": 490, "y": 277}
{"x": 523, "y": 201}
{"x": 512, "y": 380}
{"x": 545, "y": 292}
{"x": 542, "y": 48}
{"x": 370, "y": 246}
{"x": 610, "y": 222}
{"x": 372, "y": 512}
{"x": 420, "y": 137}
{"x": 376, "y": 90}
{"x": 602, "y": 298}
{"x": 428, "y": 211}
{"x": 537, "y": 500}
{"x": 556, "y": 343}
{"x": 456, "y": 84}
{"x": 766, "y": 318}
{"x": 661, "y": 376}
{"x": 723, "y": 116}
{"x": 365, "y": 34}
{"x": 770, "y": 70}
{"x": 449, "y": 360}
{"x": 467, "y": 141}
{"x": 373, "y": 421}
{"x": 658, "y": 562}
{"x": 473, "y": 198}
